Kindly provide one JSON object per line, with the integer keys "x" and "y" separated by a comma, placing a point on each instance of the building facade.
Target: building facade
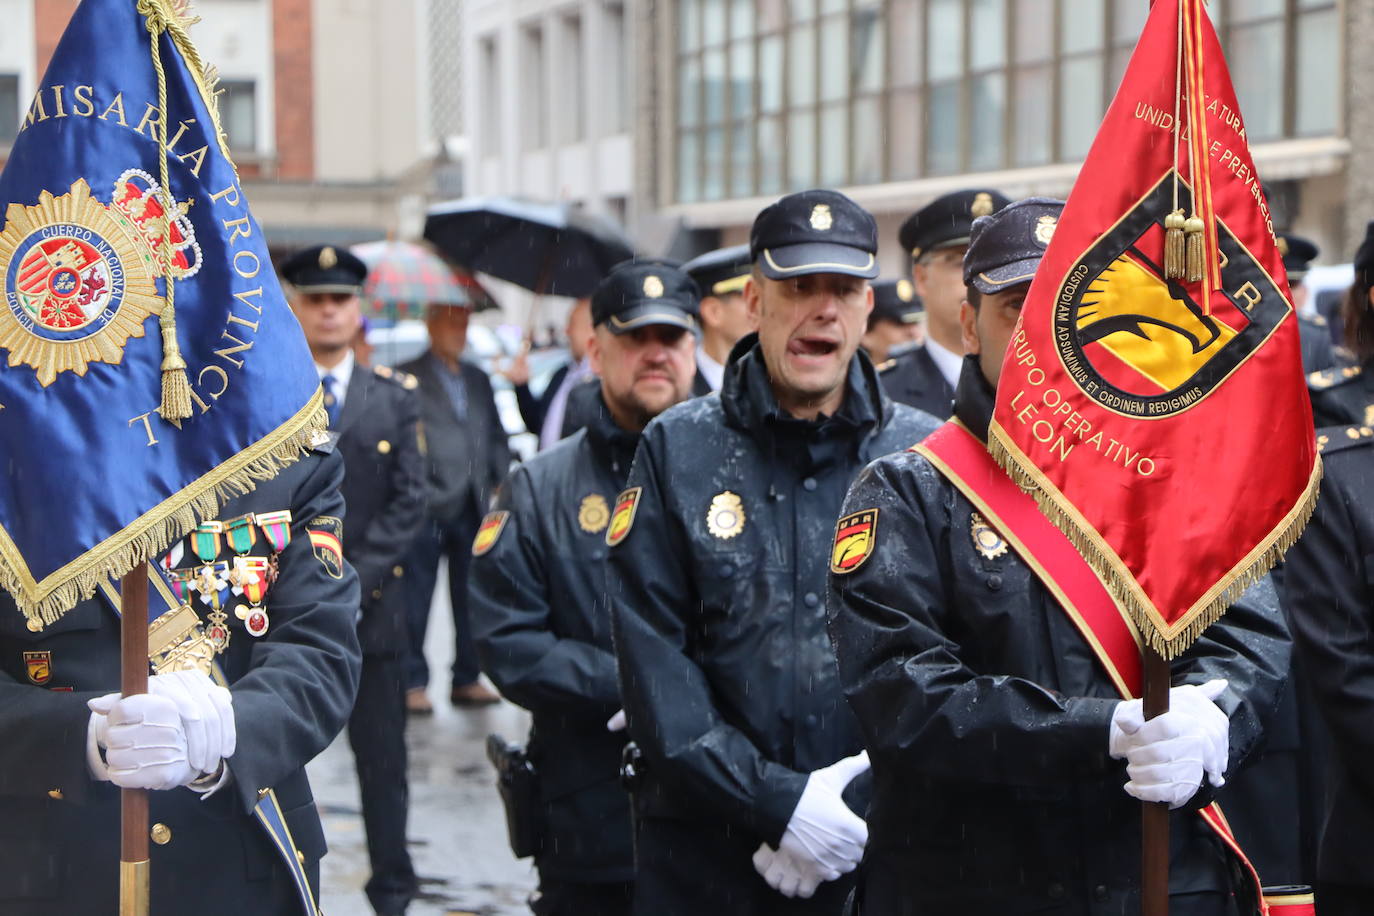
{"x": 898, "y": 101}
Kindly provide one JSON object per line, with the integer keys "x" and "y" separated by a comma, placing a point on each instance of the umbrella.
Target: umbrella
{"x": 546, "y": 248}
{"x": 402, "y": 278}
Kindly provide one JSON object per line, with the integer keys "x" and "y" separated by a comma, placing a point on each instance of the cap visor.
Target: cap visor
{"x": 817, "y": 258}
{"x": 1005, "y": 277}
{"x": 642, "y": 316}
{"x": 318, "y": 288}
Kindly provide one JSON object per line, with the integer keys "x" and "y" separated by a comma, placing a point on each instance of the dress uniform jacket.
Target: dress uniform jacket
{"x": 986, "y": 716}
{"x": 913, "y": 378}
{"x": 468, "y": 455}
{"x": 1342, "y": 396}
{"x": 543, "y": 631}
{"x": 1329, "y": 593}
{"x": 717, "y": 593}
{"x": 385, "y": 492}
{"x": 292, "y": 690}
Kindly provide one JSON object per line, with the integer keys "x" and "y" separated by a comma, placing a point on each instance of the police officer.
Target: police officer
{"x": 1344, "y": 396}
{"x": 1298, "y": 254}
{"x": 721, "y": 275}
{"x": 1330, "y": 603}
{"x": 538, "y": 597}
{"x": 985, "y": 711}
{"x": 375, "y": 415}
{"x": 936, "y": 236}
{"x": 213, "y": 755}
{"x": 717, "y": 600}
{"x": 895, "y": 325}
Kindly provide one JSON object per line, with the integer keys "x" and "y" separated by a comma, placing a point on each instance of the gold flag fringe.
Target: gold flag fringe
{"x": 1111, "y": 572}
{"x": 151, "y": 535}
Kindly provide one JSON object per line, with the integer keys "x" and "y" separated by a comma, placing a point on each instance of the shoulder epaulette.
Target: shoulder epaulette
{"x": 404, "y": 379}
{"x": 1317, "y": 321}
{"x": 885, "y": 365}
{"x": 1338, "y": 438}
{"x": 1331, "y": 378}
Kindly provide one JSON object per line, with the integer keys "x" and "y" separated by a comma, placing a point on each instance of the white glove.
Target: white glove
{"x": 205, "y": 717}
{"x": 783, "y": 874}
{"x": 616, "y": 723}
{"x": 145, "y": 743}
{"x": 824, "y": 839}
{"x": 1168, "y": 756}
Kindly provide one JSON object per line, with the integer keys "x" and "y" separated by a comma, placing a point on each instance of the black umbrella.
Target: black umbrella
{"x": 546, "y": 248}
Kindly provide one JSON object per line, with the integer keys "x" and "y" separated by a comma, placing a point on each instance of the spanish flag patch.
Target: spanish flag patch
{"x": 623, "y": 517}
{"x": 854, "y": 540}
{"x": 488, "y": 532}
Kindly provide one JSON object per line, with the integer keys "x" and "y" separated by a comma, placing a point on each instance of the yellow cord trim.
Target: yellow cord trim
{"x": 149, "y": 536}
{"x": 1169, "y": 640}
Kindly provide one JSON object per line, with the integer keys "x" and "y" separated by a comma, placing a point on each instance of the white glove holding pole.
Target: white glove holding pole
{"x": 1168, "y": 756}
{"x": 617, "y": 722}
{"x": 824, "y": 839}
{"x": 181, "y": 729}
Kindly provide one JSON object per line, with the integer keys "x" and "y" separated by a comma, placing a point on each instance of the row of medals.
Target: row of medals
{"x": 214, "y": 580}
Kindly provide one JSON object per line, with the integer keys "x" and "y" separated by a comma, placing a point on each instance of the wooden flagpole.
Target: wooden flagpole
{"x": 1154, "y": 823}
{"x": 133, "y": 679}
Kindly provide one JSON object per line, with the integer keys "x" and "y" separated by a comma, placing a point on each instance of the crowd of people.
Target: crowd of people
{"x": 778, "y": 660}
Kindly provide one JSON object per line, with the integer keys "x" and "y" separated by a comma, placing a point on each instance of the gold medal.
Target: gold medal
{"x": 989, "y": 543}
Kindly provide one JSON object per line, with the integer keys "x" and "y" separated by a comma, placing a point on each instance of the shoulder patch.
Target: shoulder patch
{"x": 855, "y": 537}
{"x": 326, "y": 540}
{"x": 623, "y": 518}
{"x": 489, "y": 532}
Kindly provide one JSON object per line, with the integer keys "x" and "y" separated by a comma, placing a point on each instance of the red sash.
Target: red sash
{"x": 964, "y": 461}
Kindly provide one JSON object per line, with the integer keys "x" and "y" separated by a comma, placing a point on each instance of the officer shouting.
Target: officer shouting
{"x": 537, "y": 588}
{"x": 1000, "y": 746}
{"x": 716, "y": 579}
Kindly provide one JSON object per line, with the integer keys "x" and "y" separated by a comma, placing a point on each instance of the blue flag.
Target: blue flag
{"x": 99, "y": 474}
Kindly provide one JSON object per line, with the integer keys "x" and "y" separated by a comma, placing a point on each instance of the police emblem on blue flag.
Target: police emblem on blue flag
{"x": 120, "y": 195}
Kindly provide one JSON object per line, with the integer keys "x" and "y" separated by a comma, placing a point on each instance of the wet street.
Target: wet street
{"x": 457, "y": 827}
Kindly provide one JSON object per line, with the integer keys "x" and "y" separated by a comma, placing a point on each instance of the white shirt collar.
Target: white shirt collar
{"x": 343, "y": 373}
{"x": 712, "y": 371}
{"x": 949, "y": 364}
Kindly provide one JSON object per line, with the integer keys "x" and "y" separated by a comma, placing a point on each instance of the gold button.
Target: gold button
{"x": 376, "y": 593}
{"x": 398, "y": 571}
{"x": 55, "y": 794}
{"x": 1352, "y": 433}
{"x": 384, "y": 447}
{"x": 161, "y": 834}
{"x": 34, "y": 625}
{"x": 300, "y": 857}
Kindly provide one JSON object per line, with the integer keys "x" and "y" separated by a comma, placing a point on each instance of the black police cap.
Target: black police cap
{"x": 722, "y": 271}
{"x": 896, "y": 300}
{"x": 646, "y": 291}
{"x": 815, "y": 232}
{"x": 325, "y": 269}
{"x": 1005, "y": 248}
{"x": 948, "y": 220}
{"x": 1298, "y": 254}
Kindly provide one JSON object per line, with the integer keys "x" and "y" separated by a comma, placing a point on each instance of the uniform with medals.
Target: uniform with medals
{"x": 271, "y": 592}
{"x": 1330, "y": 604}
{"x": 985, "y": 710}
{"x": 725, "y": 669}
{"x": 374, "y": 418}
{"x": 1344, "y": 395}
{"x": 541, "y": 620}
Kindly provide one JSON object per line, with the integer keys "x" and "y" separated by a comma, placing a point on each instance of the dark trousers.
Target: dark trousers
{"x": 376, "y": 732}
{"x": 452, "y": 539}
{"x": 570, "y": 898}
{"x": 1344, "y": 899}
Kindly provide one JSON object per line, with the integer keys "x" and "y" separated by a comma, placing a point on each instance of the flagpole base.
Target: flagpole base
{"x": 133, "y": 888}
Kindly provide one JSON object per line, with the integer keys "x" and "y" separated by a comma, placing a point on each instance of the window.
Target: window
{"x": 9, "y": 107}
{"x": 572, "y": 119}
{"x": 616, "y": 62}
{"x": 779, "y": 95}
{"x": 238, "y": 109}
{"x": 534, "y": 119}
{"x": 491, "y": 93}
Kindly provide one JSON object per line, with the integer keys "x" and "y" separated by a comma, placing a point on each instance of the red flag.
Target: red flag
{"x": 1160, "y": 417}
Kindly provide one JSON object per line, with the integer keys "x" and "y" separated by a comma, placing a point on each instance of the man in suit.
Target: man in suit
{"x": 213, "y": 756}
{"x": 936, "y": 236}
{"x": 545, "y": 415}
{"x": 375, "y": 416}
{"x": 468, "y": 457}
